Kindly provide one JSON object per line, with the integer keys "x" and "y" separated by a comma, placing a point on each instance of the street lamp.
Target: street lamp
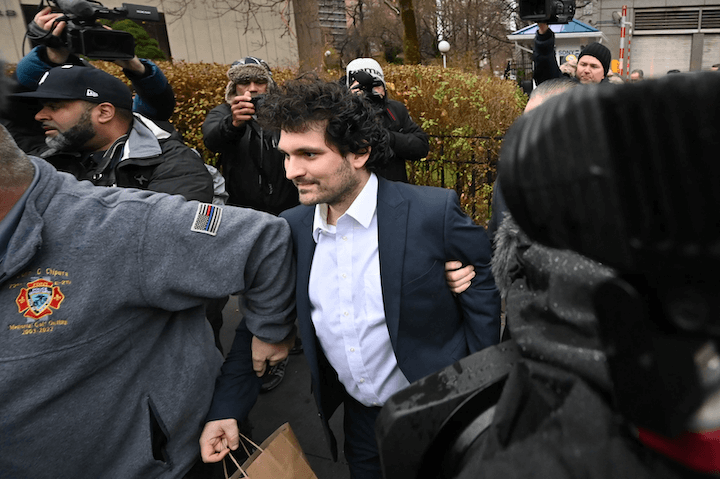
{"x": 444, "y": 47}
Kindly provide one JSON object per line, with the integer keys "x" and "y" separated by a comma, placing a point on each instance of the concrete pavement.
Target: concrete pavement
{"x": 291, "y": 402}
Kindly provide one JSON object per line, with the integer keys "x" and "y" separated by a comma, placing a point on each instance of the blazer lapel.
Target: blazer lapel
{"x": 392, "y": 213}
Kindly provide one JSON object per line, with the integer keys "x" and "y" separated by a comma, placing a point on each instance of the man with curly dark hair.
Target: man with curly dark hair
{"x": 374, "y": 310}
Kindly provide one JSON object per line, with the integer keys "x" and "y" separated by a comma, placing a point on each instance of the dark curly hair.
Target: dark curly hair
{"x": 352, "y": 123}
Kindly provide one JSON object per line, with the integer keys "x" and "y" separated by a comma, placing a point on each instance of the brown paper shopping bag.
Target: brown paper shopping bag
{"x": 278, "y": 457}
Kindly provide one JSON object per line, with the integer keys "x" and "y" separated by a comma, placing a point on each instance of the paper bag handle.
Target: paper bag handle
{"x": 242, "y": 436}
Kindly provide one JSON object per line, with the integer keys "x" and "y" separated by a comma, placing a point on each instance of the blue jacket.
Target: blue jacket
{"x": 419, "y": 229}
{"x": 155, "y": 98}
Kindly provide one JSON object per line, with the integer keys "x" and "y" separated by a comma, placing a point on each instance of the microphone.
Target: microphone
{"x": 77, "y": 8}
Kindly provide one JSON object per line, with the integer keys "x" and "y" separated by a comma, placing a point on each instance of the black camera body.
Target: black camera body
{"x": 366, "y": 84}
{"x": 547, "y": 11}
{"x": 85, "y": 36}
{"x": 257, "y": 101}
{"x": 98, "y": 42}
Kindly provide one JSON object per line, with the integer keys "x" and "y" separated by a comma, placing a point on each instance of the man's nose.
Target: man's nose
{"x": 292, "y": 168}
{"x": 42, "y": 114}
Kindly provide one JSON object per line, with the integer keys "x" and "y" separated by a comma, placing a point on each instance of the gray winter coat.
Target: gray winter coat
{"x": 107, "y": 364}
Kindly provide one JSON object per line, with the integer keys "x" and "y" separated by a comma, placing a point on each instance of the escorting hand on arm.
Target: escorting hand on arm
{"x": 459, "y": 278}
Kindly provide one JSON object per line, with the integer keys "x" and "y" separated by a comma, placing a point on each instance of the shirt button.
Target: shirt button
{"x": 344, "y": 276}
{"x": 345, "y": 313}
{"x": 352, "y": 350}
{"x": 376, "y": 404}
{"x": 344, "y": 238}
{"x": 362, "y": 380}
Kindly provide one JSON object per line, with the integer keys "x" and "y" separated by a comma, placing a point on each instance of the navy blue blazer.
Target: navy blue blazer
{"x": 419, "y": 229}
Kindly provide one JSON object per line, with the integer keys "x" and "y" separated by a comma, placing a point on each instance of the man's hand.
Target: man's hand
{"x": 44, "y": 19}
{"x": 242, "y": 109}
{"x": 542, "y": 28}
{"x": 264, "y": 353}
{"x": 218, "y": 438}
{"x": 458, "y": 277}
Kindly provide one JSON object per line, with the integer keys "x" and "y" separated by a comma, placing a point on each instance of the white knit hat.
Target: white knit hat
{"x": 367, "y": 65}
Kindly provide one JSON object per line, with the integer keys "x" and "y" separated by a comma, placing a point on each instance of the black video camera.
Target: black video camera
{"x": 366, "y": 84}
{"x": 83, "y": 35}
{"x": 547, "y": 11}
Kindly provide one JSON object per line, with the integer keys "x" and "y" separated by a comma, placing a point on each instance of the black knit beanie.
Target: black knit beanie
{"x": 600, "y": 52}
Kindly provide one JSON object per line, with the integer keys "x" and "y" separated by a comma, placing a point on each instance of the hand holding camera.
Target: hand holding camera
{"x": 46, "y": 22}
{"x": 363, "y": 82}
{"x": 243, "y": 108}
{"x": 79, "y": 31}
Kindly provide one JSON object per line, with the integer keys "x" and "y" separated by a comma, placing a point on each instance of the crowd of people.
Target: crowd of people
{"x": 119, "y": 249}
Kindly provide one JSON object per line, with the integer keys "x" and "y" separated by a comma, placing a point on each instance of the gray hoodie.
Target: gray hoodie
{"x": 107, "y": 365}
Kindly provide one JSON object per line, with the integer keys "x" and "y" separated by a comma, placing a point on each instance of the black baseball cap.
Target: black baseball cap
{"x": 73, "y": 82}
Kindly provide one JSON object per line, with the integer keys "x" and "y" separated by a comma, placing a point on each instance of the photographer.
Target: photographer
{"x": 407, "y": 140}
{"x": 592, "y": 66}
{"x": 154, "y": 100}
{"x": 251, "y": 164}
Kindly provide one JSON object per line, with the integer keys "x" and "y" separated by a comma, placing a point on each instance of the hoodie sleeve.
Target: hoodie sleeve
{"x": 241, "y": 251}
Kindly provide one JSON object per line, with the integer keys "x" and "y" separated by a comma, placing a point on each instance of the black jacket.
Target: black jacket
{"x": 556, "y": 417}
{"x": 407, "y": 140}
{"x": 544, "y": 62}
{"x": 251, "y": 164}
{"x": 152, "y": 157}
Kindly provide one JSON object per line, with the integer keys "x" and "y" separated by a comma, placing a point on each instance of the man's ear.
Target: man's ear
{"x": 105, "y": 112}
{"x": 358, "y": 160}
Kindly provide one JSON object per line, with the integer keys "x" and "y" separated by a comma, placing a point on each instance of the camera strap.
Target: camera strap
{"x": 258, "y": 142}
{"x": 44, "y": 37}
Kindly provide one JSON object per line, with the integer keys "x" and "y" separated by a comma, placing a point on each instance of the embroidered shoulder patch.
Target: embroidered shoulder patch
{"x": 207, "y": 219}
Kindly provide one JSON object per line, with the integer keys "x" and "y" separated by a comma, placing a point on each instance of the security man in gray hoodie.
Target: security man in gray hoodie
{"x": 107, "y": 365}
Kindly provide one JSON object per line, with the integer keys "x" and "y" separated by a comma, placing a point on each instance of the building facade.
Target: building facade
{"x": 662, "y": 35}
{"x": 193, "y": 31}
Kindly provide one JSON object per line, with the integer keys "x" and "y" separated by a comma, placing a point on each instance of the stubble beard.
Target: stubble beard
{"x": 346, "y": 187}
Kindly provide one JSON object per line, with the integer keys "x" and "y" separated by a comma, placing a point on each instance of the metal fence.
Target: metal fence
{"x": 467, "y": 164}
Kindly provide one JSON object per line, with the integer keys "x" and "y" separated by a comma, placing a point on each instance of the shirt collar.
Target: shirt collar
{"x": 361, "y": 210}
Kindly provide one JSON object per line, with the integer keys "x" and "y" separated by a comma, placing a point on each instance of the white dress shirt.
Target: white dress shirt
{"x": 346, "y": 300}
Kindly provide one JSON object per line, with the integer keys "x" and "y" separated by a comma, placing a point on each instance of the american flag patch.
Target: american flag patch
{"x": 207, "y": 219}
